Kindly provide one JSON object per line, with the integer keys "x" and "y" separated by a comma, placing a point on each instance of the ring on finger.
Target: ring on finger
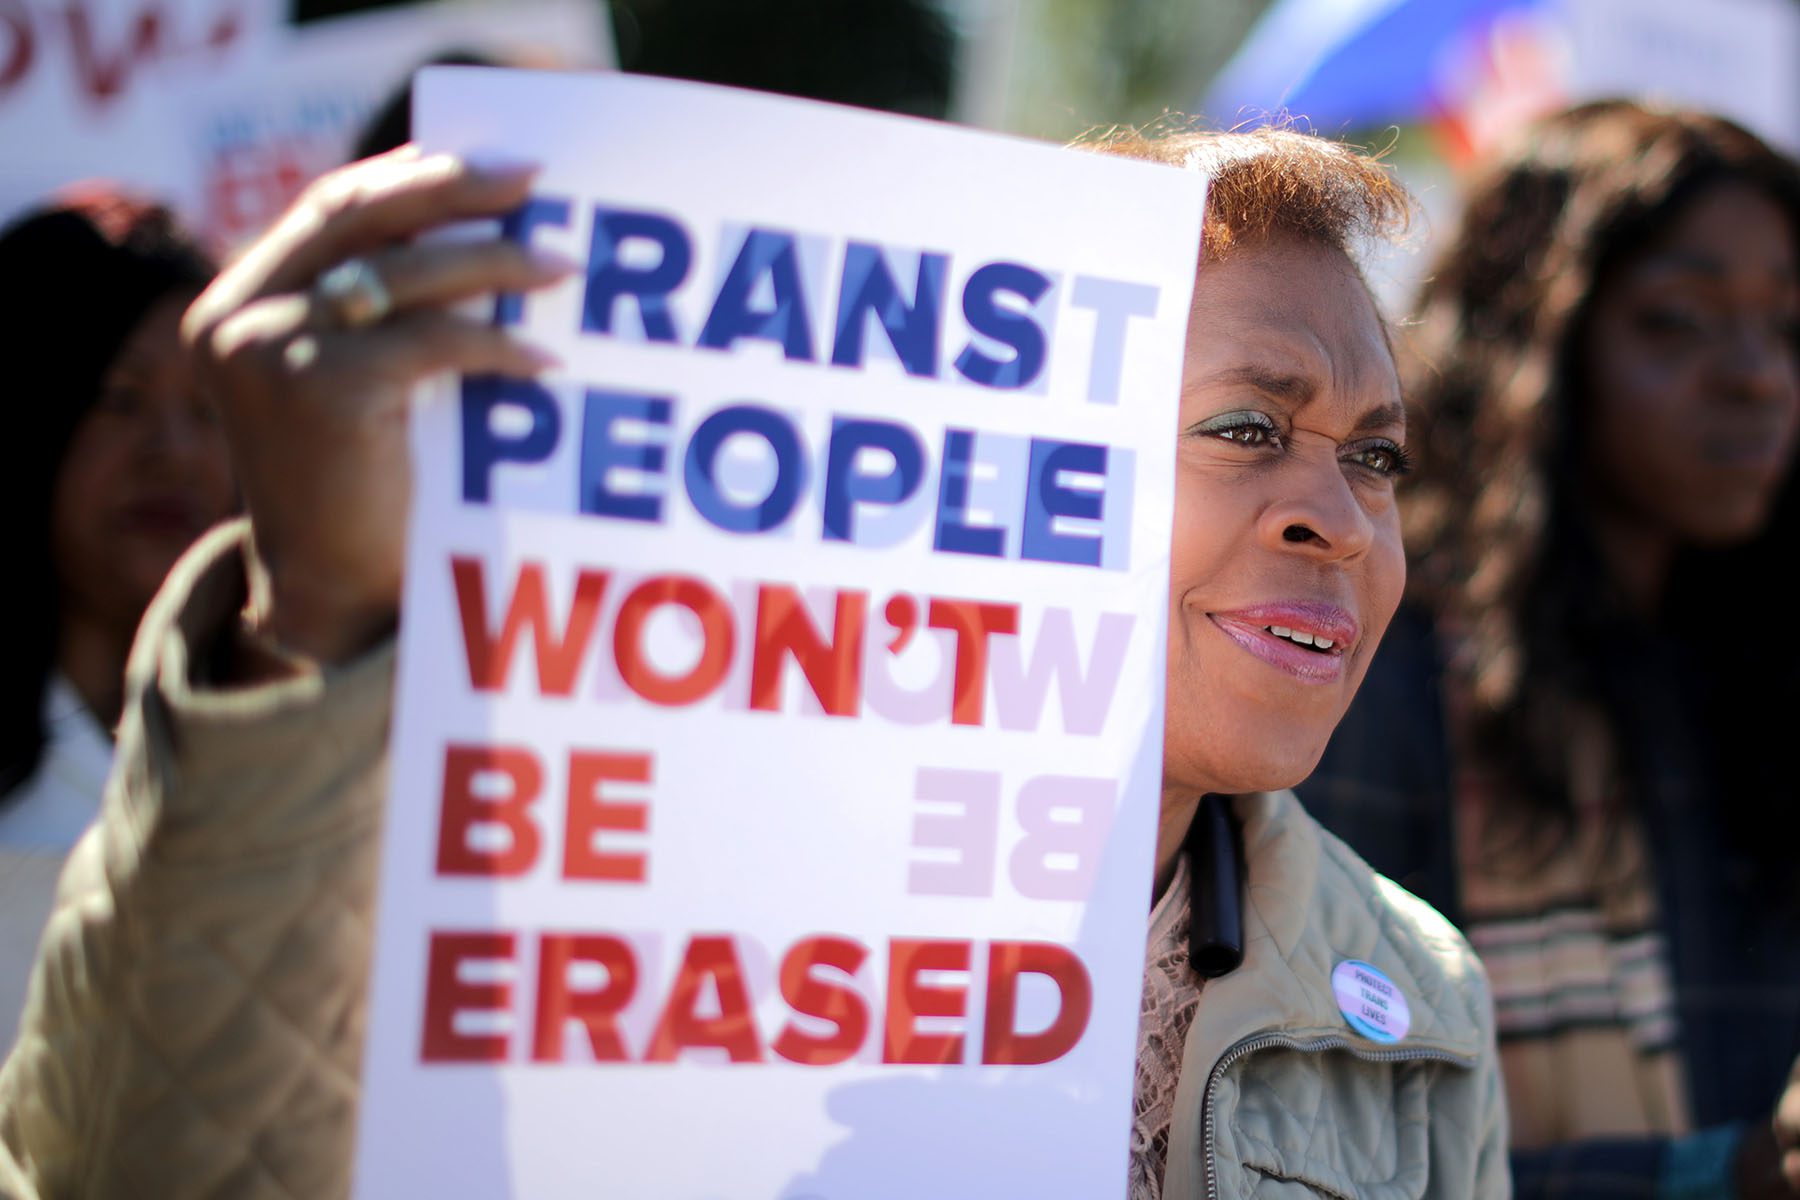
{"x": 353, "y": 293}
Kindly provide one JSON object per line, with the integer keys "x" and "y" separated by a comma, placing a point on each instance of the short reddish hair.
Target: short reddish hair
{"x": 1273, "y": 180}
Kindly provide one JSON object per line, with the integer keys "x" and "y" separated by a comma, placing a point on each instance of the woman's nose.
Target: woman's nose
{"x": 1317, "y": 513}
{"x": 1759, "y": 365}
{"x": 169, "y": 429}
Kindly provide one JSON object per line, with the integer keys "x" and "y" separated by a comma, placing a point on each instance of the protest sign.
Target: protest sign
{"x": 226, "y": 109}
{"x": 777, "y": 752}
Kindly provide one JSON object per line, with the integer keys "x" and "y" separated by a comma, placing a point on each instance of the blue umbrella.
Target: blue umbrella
{"x": 1348, "y": 64}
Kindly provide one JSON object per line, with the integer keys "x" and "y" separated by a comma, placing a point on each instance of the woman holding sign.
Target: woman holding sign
{"x": 1308, "y": 1028}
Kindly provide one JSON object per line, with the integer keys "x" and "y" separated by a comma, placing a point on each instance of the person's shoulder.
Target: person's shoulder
{"x": 1362, "y": 913}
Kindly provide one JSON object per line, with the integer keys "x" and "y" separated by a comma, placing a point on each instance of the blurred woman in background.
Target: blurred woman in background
{"x": 1607, "y": 386}
{"x": 116, "y": 465}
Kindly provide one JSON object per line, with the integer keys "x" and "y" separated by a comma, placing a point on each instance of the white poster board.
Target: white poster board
{"x": 1739, "y": 58}
{"x": 777, "y": 752}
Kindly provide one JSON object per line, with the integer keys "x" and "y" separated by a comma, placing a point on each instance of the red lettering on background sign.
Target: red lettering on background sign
{"x": 248, "y": 185}
{"x": 16, "y": 22}
{"x": 149, "y": 35}
{"x": 106, "y": 78}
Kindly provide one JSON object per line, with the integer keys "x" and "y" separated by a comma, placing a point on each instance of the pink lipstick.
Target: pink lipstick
{"x": 1307, "y": 640}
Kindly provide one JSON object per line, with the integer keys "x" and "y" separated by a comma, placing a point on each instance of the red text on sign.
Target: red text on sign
{"x": 782, "y": 631}
{"x": 708, "y": 1006}
{"x": 489, "y": 822}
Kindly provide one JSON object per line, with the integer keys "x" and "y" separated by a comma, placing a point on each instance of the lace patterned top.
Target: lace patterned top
{"x": 1171, "y": 995}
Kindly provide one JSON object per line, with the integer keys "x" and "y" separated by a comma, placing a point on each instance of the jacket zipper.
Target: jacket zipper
{"x": 1328, "y": 1042}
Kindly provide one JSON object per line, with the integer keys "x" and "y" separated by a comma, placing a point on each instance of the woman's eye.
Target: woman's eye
{"x": 1384, "y": 458}
{"x": 1676, "y": 321}
{"x": 119, "y": 401}
{"x": 1244, "y": 429}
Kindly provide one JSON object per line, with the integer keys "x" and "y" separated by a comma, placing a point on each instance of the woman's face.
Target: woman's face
{"x": 1285, "y": 526}
{"x": 146, "y": 473}
{"x": 1692, "y": 372}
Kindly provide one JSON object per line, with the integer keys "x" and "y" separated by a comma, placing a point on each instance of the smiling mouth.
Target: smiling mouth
{"x": 1307, "y": 643}
{"x": 1319, "y": 645}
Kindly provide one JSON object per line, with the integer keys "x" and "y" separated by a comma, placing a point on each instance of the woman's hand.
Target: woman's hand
{"x": 1786, "y": 1127}
{"x": 312, "y": 383}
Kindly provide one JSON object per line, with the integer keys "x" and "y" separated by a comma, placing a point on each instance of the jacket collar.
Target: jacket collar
{"x": 1310, "y": 904}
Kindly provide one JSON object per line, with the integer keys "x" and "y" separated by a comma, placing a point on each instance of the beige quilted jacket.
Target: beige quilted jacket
{"x": 196, "y": 1015}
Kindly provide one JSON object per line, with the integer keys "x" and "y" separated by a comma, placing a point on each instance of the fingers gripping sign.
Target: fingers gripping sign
{"x": 312, "y": 342}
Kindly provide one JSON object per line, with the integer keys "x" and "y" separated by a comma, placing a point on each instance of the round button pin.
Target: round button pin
{"x": 1371, "y": 1003}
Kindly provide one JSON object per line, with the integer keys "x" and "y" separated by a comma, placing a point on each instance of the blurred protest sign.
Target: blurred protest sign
{"x": 1738, "y": 58}
{"x": 1482, "y": 68}
{"x": 224, "y": 108}
{"x": 777, "y": 752}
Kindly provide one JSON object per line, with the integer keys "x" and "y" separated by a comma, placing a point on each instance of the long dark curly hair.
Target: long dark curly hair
{"x": 79, "y": 274}
{"x": 1501, "y": 551}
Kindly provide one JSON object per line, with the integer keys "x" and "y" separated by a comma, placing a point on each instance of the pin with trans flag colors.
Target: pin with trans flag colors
{"x": 1371, "y": 1003}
